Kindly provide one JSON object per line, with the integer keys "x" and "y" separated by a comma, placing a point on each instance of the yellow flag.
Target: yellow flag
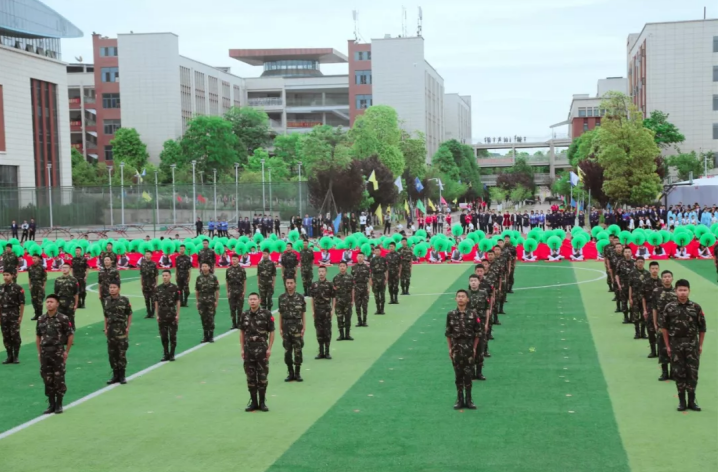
{"x": 431, "y": 205}
{"x": 379, "y": 213}
{"x": 406, "y": 206}
{"x": 581, "y": 175}
{"x": 372, "y": 179}
{"x": 146, "y": 197}
{"x": 456, "y": 201}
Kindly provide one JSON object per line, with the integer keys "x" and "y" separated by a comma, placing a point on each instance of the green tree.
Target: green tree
{"x": 288, "y": 148}
{"x": 414, "y": 151}
{"x": 172, "y": 154}
{"x": 497, "y": 195}
{"x": 519, "y": 194}
{"x": 443, "y": 160}
{"x": 581, "y": 148}
{"x": 211, "y": 142}
{"x": 127, "y": 147}
{"x": 627, "y": 152}
{"x": 325, "y": 149}
{"x": 83, "y": 173}
{"x": 251, "y": 127}
{"x": 520, "y": 174}
{"x": 377, "y": 132}
{"x": 686, "y": 163}
{"x": 279, "y": 168}
{"x": 665, "y": 132}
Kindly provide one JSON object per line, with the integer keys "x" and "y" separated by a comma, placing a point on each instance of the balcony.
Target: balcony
{"x": 539, "y": 179}
{"x": 76, "y": 126}
{"x": 77, "y": 146}
{"x": 75, "y": 103}
{"x": 265, "y": 102}
{"x": 303, "y": 124}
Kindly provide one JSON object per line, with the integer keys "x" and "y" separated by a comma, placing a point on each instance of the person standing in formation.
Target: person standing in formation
{"x": 343, "y": 300}
{"x": 393, "y": 262}
{"x": 624, "y": 269}
{"x": 37, "y": 276}
{"x": 66, "y": 289}
{"x": 406, "y": 263}
{"x": 266, "y": 277}
{"x": 79, "y": 271}
{"x": 256, "y": 338}
{"x": 236, "y": 279}
{"x": 306, "y": 258}
{"x": 12, "y": 301}
{"x": 148, "y": 276}
{"x": 322, "y": 293}
{"x": 636, "y": 283}
{"x": 479, "y": 302}
{"x": 463, "y": 327}
{"x": 662, "y": 296}
{"x": 650, "y": 284}
{"x": 362, "y": 280}
{"x": 289, "y": 261}
{"x": 292, "y": 323}
{"x": 206, "y": 290}
{"x": 54, "y": 336}
{"x": 183, "y": 264}
{"x": 109, "y": 253}
{"x": 105, "y": 276}
{"x": 207, "y": 255}
{"x": 168, "y": 300}
{"x": 379, "y": 276}
{"x": 683, "y": 332}
{"x": 118, "y": 319}
{"x": 10, "y": 261}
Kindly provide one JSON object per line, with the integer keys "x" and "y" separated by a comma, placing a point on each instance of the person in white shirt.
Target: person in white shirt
{"x": 435, "y": 257}
{"x": 479, "y": 256}
{"x": 577, "y": 254}
{"x": 529, "y": 256}
{"x": 165, "y": 262}
{"x": 631, "y": 224}
{"x": 643, "y": 252}
{"x": 362, "y": 222}
{"x": 244, "y": 261}
{"x": 681, "y": 253}
{"x": 347, "y": 256}
{"x": 456, "y": 256}
{"x": 368, "y": 230}
{"x": 325, "y": 260}
{"x": 659, "y": 251}
{"x": 704, "y": 252}
{"x": 554, "y": 256}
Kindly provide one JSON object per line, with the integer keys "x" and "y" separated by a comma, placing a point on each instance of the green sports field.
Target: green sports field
{"x": 568, "y": 389}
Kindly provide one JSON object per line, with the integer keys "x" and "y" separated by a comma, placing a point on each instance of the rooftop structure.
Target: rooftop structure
{"x": 289, "y": 62}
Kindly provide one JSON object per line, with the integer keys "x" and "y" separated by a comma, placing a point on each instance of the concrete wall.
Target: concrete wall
{"x": 457, "y": 117}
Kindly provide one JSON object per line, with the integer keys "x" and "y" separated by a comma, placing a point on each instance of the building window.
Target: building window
{"x": 110, "y": 74}
{"x": 715, "y": 73}
{"x": 8, "y": 178}
{"x": 110, "y": 100}
{"x": 585, "y": 125}
{"x": 44, "y": 124}
{"x": 715, "y": 130}
{"x": 715, "y": 103}
{"x": 362, "y": 56}
{"x": 111, "y": 126}
{"x": 590, "y": 111}
{"x": 715, "y": 43}
{"x": 363, "y": 101}
{"x": 362, "y": 77}
{"x": 582, "y": 112}
{"x": 108, "y": 153}
{"x": 108, "y": 52}
{"x": 2, "y": 123}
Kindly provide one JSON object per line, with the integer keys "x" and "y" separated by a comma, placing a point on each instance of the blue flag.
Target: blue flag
{"x": 573, "y": 203}
{"x": 337, "y": 222}
{"x": 417, "y": 185}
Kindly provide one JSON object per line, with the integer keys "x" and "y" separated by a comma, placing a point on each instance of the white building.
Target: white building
{"x": 457, "y": 117}
{"x": 585, "y": 111}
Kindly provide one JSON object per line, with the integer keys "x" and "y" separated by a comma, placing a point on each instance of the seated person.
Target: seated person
{"x": 529, "y": 256}
{"x": 642, "y": 251}
{"x": 56, "y": 263}
{"x": 704, "y": 252}
{"x": 224, "y": 260}
{"x": 681, "y": 253}
{"x": 22, "y": 266}
{"x": 244, "y": 261}
{"x": 165, "y": 262}
{"x": 435, "y": 257}
{"x": 253, "y": 250}
{"x": 456, "y": 256}
{"x": 479, "y": 256}
{"x": 123, "y": 262}
{"x": 577, "y": 254}
{"x": 347, "y": 256}
{"x": 659, "y": 251}
{"x": 554, "y": 256}
{"x": 325, "y": 260}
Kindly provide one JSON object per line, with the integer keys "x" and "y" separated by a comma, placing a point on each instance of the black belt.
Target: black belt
{"x": 255, "y": 339}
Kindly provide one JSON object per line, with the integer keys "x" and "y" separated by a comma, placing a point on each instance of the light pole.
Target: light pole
{"x": 122, "y": 191}
{"x": 49, "y": 191}
{"x": 236, "y": 191}
{"x": 441, "y": 187}
{"x": 299, "y": 183}
{"x": 215, "y": 196}
{"x": 157, "y": 203}
{"x": 112, "y": 217}
{"x": 270, "y": 191}
{"x": 264, "y": 205}
{"x": 174, "y": 198}
{"x": 194, "y": 193}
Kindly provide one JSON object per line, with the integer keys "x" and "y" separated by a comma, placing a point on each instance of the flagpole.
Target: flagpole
{"x": 157, "y": 203}
{"x": 236, "y": 192}
{"x": 174, "y": 204}
{"x": 122, "y": 191}
{"x": 215, "y": 196}
{"x": 194, "y": 193}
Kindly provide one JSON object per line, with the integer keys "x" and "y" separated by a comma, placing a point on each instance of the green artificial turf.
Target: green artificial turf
{"x": 704, "y": 268}
{"x": 545, "y": 406}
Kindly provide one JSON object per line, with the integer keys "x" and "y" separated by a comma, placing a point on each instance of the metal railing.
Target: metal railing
{"x": 265, "y": 102}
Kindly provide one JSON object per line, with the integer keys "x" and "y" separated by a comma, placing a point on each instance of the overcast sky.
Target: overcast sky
{"x": 520, "y": 60}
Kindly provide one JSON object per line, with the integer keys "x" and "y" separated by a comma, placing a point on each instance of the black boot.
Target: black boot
{"x": 615, "y": 297}
{"x": 479, "y": 374}
{"x": 148, "y": 307}
{"x": 297, "y": 375}
{"x": 204, "y": 336}
{"x": 341, "y": 335}
{"x": 262, "y": 404}
{"x": 625, "y": 318}
{"x": 681, "y": 401}
{"x": 253, "y": 404}
{"x": 664, "y": 373}
{"x": 501, "y": 309}
{"x": 291, "y": 376}
{"x": 347, "y": 337}
{"x": 172, "y": 352}
{"x": 326, "y": 351}
{"x": 166, "y": 354}
{"x": 115, "y": 377}
{"x": 321, "y": 351}
{"x": 670, "y": 372}
{"x": 121, "y": 376}
{"x": 475, "y": 373}
{"x": 459, "y": 399}
{"x": 653, "y": 354}
{"x": 469, "y": 403}
{"x": 359, "y": 321}
{"x": 34, "y": 318}
{"x": 643, "y": 331}
{"x": 638, "y": 332}
{"x": 692, "y": 405}
{"x": 51, "y": 405}
{"x": 58, "y": 404}
{"x": 210, "y": 336}
{"x": 363, "y": 323}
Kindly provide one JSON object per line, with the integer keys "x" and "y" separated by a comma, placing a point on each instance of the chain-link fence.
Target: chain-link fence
{"x": 150, "y": 204}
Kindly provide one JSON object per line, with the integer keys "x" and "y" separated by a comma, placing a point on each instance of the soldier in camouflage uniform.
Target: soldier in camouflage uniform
{"x": 624, "y": 269}
{"x": 511, "y": 256}
{"x": 407, "y": 258}
{"x": 479, "y": 302}
{"x": 292, "y": 323}
{"x": 306, "y": 258}
{"x": 463, "y": 326}
{"x": 183, "y": 264}
{"x": 362, "y": 280}
{"x": 662, "y": 296}
{"x": 393, "y": 262}
{"x": 105, "y": 276}
{"x": 343, "y": 300}
{"x": 266, "y": 276}
{"x": 67, "y": 290}
{"x": 289, "y": 262}
{"x": 118, "y": 319}
{"x": 168, "y": 299}
{"x": 12, "y": 308}
{"x": 322, "y": 293}
{"x": 379, "y": 275}
{"x": 616, "y": 256}
{"x": 488, "y": 283}
{"x": 207, "y": 255}
{"x": 54, "y": 337}
{"x": 37, "y": 275}
{"x": 236, "y": 279}
{"x": 10, "y": 261}
{"x": 79, "y": 271}
{"x": 650, "y": 284}
{"x": 256, "y": 338}
{"x": 493, "y": 273}
{"x": 206, "y": 289}
{"x": 684, "y": 329}
{"x": 108, "y": 253}
{"x": 502, "y": 265}
{"x": 608, "y": 252}
{"x": 148, "y": 278}
{"x": 635, "y": 294}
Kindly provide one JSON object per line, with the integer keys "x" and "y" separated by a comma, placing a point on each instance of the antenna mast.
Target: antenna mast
{"x": 419, "y": 25}
{"x": 403, "y": 22}
{"x": 355, "y": 16}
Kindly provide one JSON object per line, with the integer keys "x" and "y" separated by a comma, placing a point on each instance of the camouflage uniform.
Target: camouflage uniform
{"x": 167, "y": 296}
{"x": 407, "y": 258}
{"x": 684, "y": 322}
{"x": 10, "y": 263}
{"x": 266, "y": 271}
{"x": 256, "y": 327}
{"x": 38, "y": 277}
{"x": 209, "y": 256}
{"x": 289, "y": 263}
{"x": 608, "y": 251}
{"x": 463, "y": 328}
{"x": 661, "y": 298}
{"x": 306, "y": 258}
{"x": 53, "y": 332}
{"x": 104, "y": 278}
{"x": 512, "y": 256}
{"x": 183, "y": 264}
{"x": 624, "y": 269}
{"x": 479, "y": 302}
{"x": 637, "y": 281}
{"x": 291, "y": 308}
{"x": 236, "y": 278}
{"x": 344, "y": 296}
{"x": 117, "y": 313}
{"x": 393, "y": 262}
{"x": 66, "y": 288}
{"x": 111, "y": 255}
{"x": 361, "y": 275}
{"x": 494, "y": 277}
{"x": 148, "y": 276}
{"x": 205, "y": 288}
{"x": 378, "y": 268}
{"x": 12, "y": 297}
{"x": 79, "y": 271}
{"x": 322, "y": 293}
{"x": 649, "y": 285}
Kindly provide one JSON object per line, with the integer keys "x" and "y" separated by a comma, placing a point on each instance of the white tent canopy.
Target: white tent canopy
{"x": 703, "y": 191}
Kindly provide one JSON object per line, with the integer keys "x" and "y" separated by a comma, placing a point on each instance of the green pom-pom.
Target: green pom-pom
{"x": 168, "y": 247}
{"x": 477, "y": 236}
{"x": 457, "y": 230}
{"x": 421, "y": 250}
{"x": 596, "y": 230}
{"x": 257, "y": 238}
{"x": 690, "y": 228}
{"x": 156, "y": 244}
{"x": 624, "y": 237}
{"x": 120, "y": 248}
{"x": 578, "y": 242}
{"x": 266, "y": 245}
{"x": 250, "y": 246}
{"x": 530, "y": 245}
{"x": 397, "y": 237}
{"x": 279, "y": 246}
{"x": 421, "y": 234}
{"x": 366, "y": 249}
{"x": 614, "y": 230}
{"x": 14, "y": 241}
{"x": 667, "y": 236}
{"x": 561, "y": 234}
{"x": 386, "y": 242}
{"x": 244, "y": 239}
{"x": 18, "y": 250}
{"x": 84, "y": 244}
{"x": 351, "y": 242}
{"x": 655, "y": 239}
{"x": 682, "y": 239}
{"x": 554, "y": 242}
{"x": 95, "y": 249}
{"x": 60, "y": 243}
{"x": 701, "y": 230}
{"x": 441, "y": 245}
{"x": 485, "y": 245}
{"x": 232, "y": 243}
{"x": 639, "y": 239}
{"x": 240, "y": 248}
{"x": 273, "y": 237}
{"x": 219, "y": 248}
{"x": 326, "y": 243}
{"x": 52, "y": 250}
{"x": 293, "y": 236}
{"x": 603, "y": 236}
{"x": 535, "y": 234}
{"x": 708, "y": 239}
{"x": 601, "y": 244}
{"x": 466, "y": 246}
{"x": 135, "y": 245}
{"x": 35, "y": 250}
{"x": 190, "y": 248}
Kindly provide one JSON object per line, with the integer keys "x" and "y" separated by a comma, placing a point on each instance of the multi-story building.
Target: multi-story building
{"x": 34, "y": 114}
{"x": 457, "y": 117}
{"x": 83, "y": 108}
{"x": 585, "y": 111}
{"x": 673, "y": 67}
